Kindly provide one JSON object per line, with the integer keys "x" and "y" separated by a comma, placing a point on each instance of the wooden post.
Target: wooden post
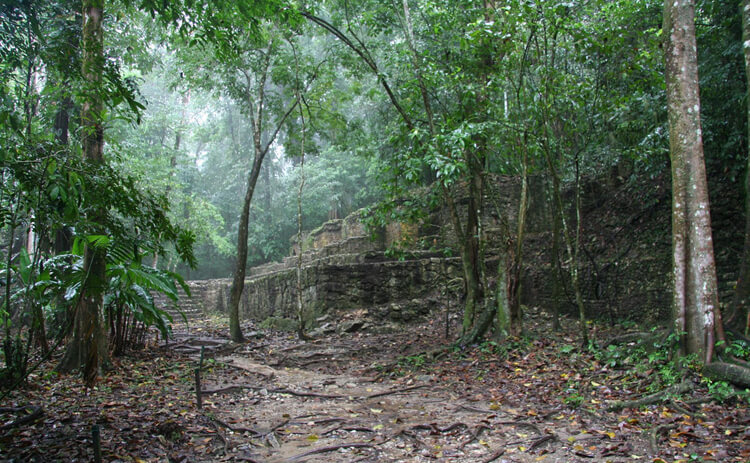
{"x": 198, "y": 398}
{"x": 95, "y": 434}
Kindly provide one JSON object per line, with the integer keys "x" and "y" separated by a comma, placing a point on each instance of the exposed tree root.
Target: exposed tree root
{"x": 653, "y": 436}
{"x": 305, "y": 394}
{"x": 494, "y": 456}
{"x": 226, "y": 390}
{"x": 684, "y": 411}
{"x": 474, "y": 435}
{"x": 735, "y": 374}
{"x": 332, "y": 448}
{"x": 542, "y": 440}
{"x": 34, "y": 414}
{"x": 234, "y": 428}
{"x": 395, "y": 391}
{"x": 342, "y": 427}
{"x": 480, "y": 328}
{"x": 240, "y": 387}
{"x": 680, "y": 388}
{"x": 221, "y": 436}
{"x": 631, "y": 337}
{"x": 432, "y": 427}
{"x": 522, "y": 423}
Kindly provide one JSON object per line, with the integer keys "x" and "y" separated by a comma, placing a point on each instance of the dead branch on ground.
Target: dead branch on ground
{"x": 474, "y": 435}
{"x": 394, "y": 391}
{"x": 660, "y": 396}
{"x": 494, "y": 456}
{"x": 331, "y": 448}
{"x": 653, "y": 436}
{"x": 35, "y": 413}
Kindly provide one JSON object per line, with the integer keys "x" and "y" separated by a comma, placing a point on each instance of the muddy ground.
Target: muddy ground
{"x": 374, "y": 395}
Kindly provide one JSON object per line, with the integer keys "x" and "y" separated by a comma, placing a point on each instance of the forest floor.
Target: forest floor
{"x": 374, "y": 396}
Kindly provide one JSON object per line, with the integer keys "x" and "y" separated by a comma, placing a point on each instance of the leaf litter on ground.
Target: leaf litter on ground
{"x": 379, "y": 395}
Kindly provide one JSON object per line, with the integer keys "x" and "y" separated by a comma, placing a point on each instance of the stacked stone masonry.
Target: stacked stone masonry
{"x": 624, "y": 274}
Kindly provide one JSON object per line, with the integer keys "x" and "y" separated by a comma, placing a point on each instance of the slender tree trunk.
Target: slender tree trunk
{"x": 238, "y": 281}
{"x": 466, "y": 236}
{"x": 514, "y": 293}
{"x": 695, "y": 296}
{"x": 555, "y": 260}
{"x": 257, "y": 113}
{"x": 300, "y": 306}
{"x": 88, "y": 348}
{"x": 469, "y": 256}
{"x": 570, "y": 245}
{"x": 503, "y": 324}
{"x": 7, "y": 313}
{"x": 63, "y": 236}
{"x": 739, "y": 317}
{"x": 575, "y": 266}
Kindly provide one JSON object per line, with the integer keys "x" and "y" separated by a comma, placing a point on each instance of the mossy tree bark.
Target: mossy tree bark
{"x": 514, "y": 280}
{"x": 301, "y": 334}
{"x": 739, "y": 318}
{"x": 87, "y": 350}
{"x": 556, "y": 264}
{"x": 695, "y": 296}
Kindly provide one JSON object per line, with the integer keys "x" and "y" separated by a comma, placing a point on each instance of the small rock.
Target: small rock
{"x": 324, "y": 329}
{"x": 351, "y": 326}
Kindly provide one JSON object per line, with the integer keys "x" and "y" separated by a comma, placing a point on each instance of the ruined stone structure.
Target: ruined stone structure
{"x": 341, "y": 270}
{"x": 625, "y": 261}
{"x": 345, "y": 267}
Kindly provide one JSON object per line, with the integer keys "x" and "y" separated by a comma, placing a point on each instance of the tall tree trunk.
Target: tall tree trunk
{"x": 739, "y": 318}
{"x": 555, "y": 259}
{"x": 88, "y": 348}
{"x": 256, "y": 120}
{"x": 571, "y": 245}
{"x": 695, "y": 296}
{"x": 514, "y": 293}
{"x": 238, "y": 280}
{"x": 300, "y": 305}
{"x": 575, "y": 264}
{"x": 502, "y": 324}
{"x": 63, "y": 235}
{"x": 261, "y": 149}
{"x": 467, "y": 236}
{"x": 266, "y": 171}
{"x": 469, "y": 248}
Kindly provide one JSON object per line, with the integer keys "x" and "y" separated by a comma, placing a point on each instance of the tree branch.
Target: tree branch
{"x": 362, "y": 53}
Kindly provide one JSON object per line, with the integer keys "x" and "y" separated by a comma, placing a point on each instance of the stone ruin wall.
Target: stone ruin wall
{"x": 343, "y": 269}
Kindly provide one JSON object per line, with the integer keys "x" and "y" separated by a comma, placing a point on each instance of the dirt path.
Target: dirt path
{"x": 374, "y": 396}
{"x": 327, "y": 402}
